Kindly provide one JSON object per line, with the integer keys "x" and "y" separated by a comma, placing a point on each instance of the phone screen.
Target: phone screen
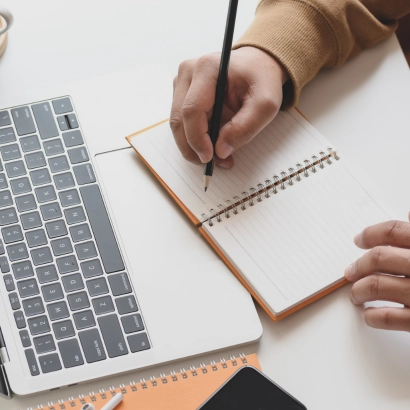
{"x": 248, "y": 389}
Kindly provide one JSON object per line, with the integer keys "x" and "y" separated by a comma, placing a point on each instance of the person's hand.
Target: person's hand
{"x": 253, "y": 98}
{"x": 383, "y": 273}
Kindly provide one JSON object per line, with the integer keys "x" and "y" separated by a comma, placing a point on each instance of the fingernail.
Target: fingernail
{"x": 357, "y": 239}
{"x": 223, "y": 165}
{"x": 224, "y": 150}
{"x": 349, "y": 272}
{"x": 202, "y": 157}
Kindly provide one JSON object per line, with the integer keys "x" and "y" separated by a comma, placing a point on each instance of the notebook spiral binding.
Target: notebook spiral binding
{"x": 262, "y": 189}
{"x": 143, "y": 384}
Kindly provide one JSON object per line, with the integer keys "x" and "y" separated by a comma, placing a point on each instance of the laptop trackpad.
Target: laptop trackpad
{"x": 171, "y": 264}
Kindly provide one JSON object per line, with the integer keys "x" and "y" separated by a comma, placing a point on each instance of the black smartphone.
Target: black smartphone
{"x": 249, "y": 389}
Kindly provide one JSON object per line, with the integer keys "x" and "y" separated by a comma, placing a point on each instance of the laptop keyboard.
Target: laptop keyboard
{"x": 67, "y": 285}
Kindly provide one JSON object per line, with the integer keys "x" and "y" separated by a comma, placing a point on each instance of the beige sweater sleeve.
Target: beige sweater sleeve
{"x": 306, "y": 35}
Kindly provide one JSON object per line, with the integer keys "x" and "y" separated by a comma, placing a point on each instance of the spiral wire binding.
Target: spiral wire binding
{"x": 153, "y": 382}
{"x": 249, "y": 196}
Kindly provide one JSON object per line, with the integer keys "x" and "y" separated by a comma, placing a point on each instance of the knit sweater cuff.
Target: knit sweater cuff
{"x": 296, "y": 34}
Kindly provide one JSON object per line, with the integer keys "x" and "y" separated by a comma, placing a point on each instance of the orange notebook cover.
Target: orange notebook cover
{"x": 197, "y": 223}
{"x": 185, "y": 390}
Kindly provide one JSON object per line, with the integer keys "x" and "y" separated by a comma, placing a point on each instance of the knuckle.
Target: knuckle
{"x": 174, "y": 83}
{"x": 184, "y": 67}
{"x": 269, "y": 104}
{"x": 385, "y": 318}
{"x": 376, "y": 255}
{"x": 188, "y": 109}
{"x": 374, "y": 286}
{"x": 393, "y": 229}
{"x": 176, "y": 123}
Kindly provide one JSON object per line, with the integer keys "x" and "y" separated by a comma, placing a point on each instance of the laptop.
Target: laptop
{"x": 101, "y": 271}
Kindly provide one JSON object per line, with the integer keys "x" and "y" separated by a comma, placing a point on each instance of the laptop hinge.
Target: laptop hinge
{"x": 4, "y": 358}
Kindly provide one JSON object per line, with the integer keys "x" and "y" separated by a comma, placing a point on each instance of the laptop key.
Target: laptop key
{"x": 8, "y": 216}
{"x": 91, "y": 268}
{"x": 73, "y": 138}
{"x": 5, "y": 199}
{"x": 73, "y": 282}
{"x": 12, "y": 234}
{"x": 16, "y": 169}
{"x": 9, "y": 152}
{"x": 3, "y": 181}
{"x": 26, "y": 203}
{"x": 22, "y": 270}
{"x": 44, "y": 117}
{"x": 78, "y": 301}
{"x": 80, "y": 232}
{"x": 44, "y": 344}
{"x": 36, "y": 238}
{"x": 41, "y": 256}
{"x": 126, "y": 304}
{"x": 25, "y": 338}
{"x": 101, "y": 227}
{"x": 7, "y": 135}
{"x": 62, "y": 123}
{"x": 61, "y": 246}
{"x": 92, "y": 345}
{"x": 50, "y": 363}
{"x": 63, "y": 329}
{"x": 45, "y": 194}
{"x": 74, "y": 215}
{"x": 86, "y": 250}
{"x": 119, "y": 284}
{"x": 78, "y": 155}
{"x": 2, "y": 250}
{"x": 97, "y": 287}
{"x": 113, "y": 339}
{"x": 84, "y": 319}
{"x": 32, "y": 362}
{"x": 138, "y": 342}
{"x": 63, "y": 181}
{"x": 28, "y": 288}
{"x": 103, "y": 305}
{"x": 51, "y": 211}
{"x": 52, "y": 292}
{"x": 35, "y": 160}
{"x": 9, "y": 282}
{"x": 23, "y": 120}
{"x": 20, "y": 186}
{"x": 20, "y": 320}
{"x": 17, "y": 251}
{"x": 33, "y": 307}
{"x": 4, "y": 264}
{"x": 70, "y": 353}
{"x": 62, "y": 105}
{"x": 56, "y": 228}
{"x": 72, "y": 121}
{"x": 40, "y": 177}
{"x": 132, "y": 323}
{"x": 53, "y": 147}
{"x": 84, "y": 174}
{"x": 69, "y": 198}
{"x": 58, "y": 164}
{"x": 4, "y": 118}
{"x": 38, "y": 325}
{"x": 30, "y": 220}
{"x": 30, "y": 143}
{"x": 67, "y": 264}
{"x": 46, "y": 274}
{"x": 58, "y": 310}
{"x": 14, "y": 301}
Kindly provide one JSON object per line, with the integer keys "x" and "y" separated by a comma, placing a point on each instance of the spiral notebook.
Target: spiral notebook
{"x": 283, "y": 218}
{"x": 185, "y": 390}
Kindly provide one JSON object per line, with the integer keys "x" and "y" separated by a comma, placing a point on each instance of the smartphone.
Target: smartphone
{"x": 249, "y": 389}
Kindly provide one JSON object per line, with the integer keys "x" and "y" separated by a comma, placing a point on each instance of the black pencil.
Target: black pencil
{"x": 215, "y": 122}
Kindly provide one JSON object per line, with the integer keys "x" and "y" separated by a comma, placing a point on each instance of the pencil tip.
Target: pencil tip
{"x": 206, "y": 188}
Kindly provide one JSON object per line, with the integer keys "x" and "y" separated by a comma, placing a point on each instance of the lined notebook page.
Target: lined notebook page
{"x": 289, "y": 139}
{"x": 298, "y": 242}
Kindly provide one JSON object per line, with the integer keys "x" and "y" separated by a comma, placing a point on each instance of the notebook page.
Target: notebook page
{"x": 289, "y": 139}
{"x": 298, "y": 242}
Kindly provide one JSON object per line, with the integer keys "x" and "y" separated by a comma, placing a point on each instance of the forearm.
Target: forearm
{"x": 307, "y": 35}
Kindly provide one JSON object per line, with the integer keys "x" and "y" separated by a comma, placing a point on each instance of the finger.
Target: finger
{"x": 226, "y": 163}
{"x": 394, "y": 233}
{"x": 388, "y": 318}
{"x": 181, "y": 86}
{"x": 385, "y": 259}
{"x": 198, "y": 106}
{"x": 381, "y": 287}
{"x": 256, "y": 112}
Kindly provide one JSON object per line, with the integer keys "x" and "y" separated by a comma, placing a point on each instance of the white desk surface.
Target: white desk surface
{"x": 324, "y": 354}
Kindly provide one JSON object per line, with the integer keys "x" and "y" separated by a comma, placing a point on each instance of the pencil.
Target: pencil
{"x": 215, "y": 122}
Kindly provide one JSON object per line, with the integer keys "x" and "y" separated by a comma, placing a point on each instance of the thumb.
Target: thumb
{"x": 254, "y": 115}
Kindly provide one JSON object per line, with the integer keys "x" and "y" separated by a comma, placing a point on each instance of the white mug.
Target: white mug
{"x": 8, "y": 17}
